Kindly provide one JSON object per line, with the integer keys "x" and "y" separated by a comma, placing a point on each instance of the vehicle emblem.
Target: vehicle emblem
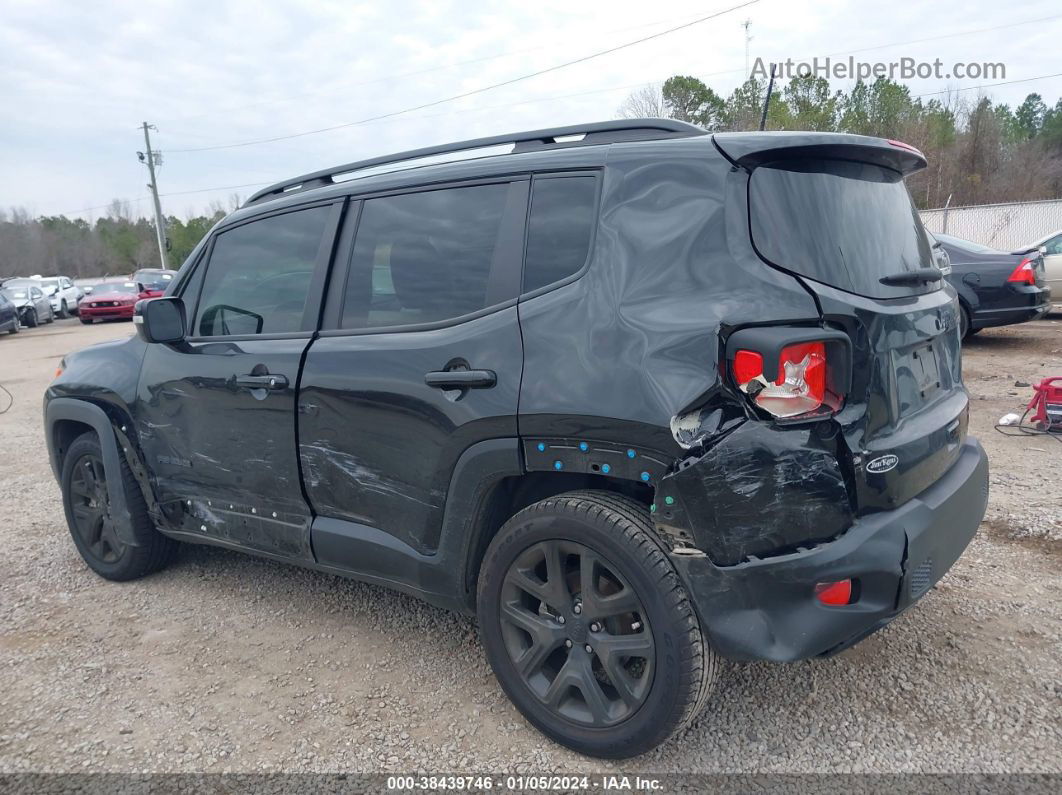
{"x": 883, "y": 463}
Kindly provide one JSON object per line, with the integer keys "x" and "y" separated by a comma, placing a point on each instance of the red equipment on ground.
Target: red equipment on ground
{"x": 1045, "y": 408}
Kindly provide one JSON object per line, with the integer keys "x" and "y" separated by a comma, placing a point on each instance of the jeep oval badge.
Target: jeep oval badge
{"x": 883, "y": 463}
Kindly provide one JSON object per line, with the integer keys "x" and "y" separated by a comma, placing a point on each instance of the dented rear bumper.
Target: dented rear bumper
{"x": 765, "y": 608}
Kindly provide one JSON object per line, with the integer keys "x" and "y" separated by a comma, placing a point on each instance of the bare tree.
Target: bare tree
{"x": 645, "y": 103}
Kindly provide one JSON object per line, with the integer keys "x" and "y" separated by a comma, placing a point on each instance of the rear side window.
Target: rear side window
{"x": 259, "y": 275}
{"x": 423, "y": 257}
{"x": 843, "y": 223}
{"x": 558, "y": 229}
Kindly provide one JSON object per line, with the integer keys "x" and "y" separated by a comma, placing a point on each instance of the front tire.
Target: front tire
{"x": 15, "y": 329}
{"x": 64, "y": 311}
{"x": 86, "y": 320}
{"x": 588, "y": 627}
{"x": 31, "y": 319}
{"x": 87, "y": 505}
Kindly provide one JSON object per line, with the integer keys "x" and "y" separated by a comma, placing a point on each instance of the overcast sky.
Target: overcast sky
{"x": 78, "y": 78}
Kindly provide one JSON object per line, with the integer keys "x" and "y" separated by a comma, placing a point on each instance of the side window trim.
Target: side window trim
{"x": 595, "y": 218}
{"x": 513, "y": 234}
{"x": 191, "y": 308}
{"x": 317, "y": 281}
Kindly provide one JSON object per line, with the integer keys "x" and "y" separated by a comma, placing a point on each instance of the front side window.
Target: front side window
{"x": 558, "y": 229}
{"x": 258, "y": 276}
{"x": 423, "y": 257}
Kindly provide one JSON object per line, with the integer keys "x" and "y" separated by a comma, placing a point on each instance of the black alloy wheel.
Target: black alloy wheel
{"x": 577, "y": 633}
{"x": 90, "y": 506}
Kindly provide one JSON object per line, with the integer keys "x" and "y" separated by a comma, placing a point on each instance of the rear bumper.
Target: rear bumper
{"x": 1037, "y": 304}
{"x": 765, "y": 609}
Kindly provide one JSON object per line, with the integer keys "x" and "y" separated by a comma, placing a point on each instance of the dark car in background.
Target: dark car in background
{"x": 113, "y": 301}
{"x": 995, "y": 288}
{"x": 154, "y": 280}
{"x": 34, "y": 307}
{"x": 9, "y": 320}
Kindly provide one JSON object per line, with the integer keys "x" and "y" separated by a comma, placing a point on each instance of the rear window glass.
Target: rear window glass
{"x": 843, "y": 223}
{"x": 558, "y": 229}
{"x": 968, "y": 245}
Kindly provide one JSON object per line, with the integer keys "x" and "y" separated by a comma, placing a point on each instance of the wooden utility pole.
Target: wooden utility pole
{"x": 153, "y": 158}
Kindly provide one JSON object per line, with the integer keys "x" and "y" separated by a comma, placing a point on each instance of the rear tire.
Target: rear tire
{"x": 619, "y": 677}
{"x": 15, "y": 329}
{"x": 87, "y": 505}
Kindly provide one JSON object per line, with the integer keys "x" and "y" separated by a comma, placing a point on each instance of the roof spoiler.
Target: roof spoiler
{"x": 752, "y": 149}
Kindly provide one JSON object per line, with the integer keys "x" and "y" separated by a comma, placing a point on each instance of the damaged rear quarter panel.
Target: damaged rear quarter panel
{"x": 761, "y": 490}
{"x": 638, "y": 338}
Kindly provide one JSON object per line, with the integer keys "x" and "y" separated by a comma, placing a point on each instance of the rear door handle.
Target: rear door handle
{"x": 262, "y": 381}
{"x": 461, "y": 379}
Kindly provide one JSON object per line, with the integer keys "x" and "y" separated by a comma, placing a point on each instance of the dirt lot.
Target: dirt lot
{"x": 228, "y": 663}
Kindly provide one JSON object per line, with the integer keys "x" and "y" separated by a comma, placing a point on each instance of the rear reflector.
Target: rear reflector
{"x": 1024, "y": 273}
{"x": 834, "y": 593}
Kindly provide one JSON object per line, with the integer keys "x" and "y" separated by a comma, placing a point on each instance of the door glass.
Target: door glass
{"x": 558, "y": 230}
{"x": 423, "y": 257}
{"x": 259, "y": 275}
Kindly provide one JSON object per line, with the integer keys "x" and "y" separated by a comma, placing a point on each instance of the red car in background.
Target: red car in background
{"x": 113, "y": 301}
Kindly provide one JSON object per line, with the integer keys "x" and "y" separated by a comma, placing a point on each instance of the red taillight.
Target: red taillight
{"x": 747, "y": 365}
{"x": 1024, "y": 273}
{"x": 834, "y": 593}
{"x": 800, "y": 388}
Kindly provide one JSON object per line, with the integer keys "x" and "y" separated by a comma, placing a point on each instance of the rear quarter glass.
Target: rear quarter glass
{"x": 840, "y": 222}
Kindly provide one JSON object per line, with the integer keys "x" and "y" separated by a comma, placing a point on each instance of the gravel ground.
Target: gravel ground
{"x": 225, "y": 662}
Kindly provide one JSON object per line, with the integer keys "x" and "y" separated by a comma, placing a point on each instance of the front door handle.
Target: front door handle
{"x": 461, "y": 379}
{"x": 267, "y": 381}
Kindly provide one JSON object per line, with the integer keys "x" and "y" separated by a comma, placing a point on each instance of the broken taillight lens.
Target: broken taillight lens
{"x": 801, "y": 388}
{"x": 1024, "y": 273}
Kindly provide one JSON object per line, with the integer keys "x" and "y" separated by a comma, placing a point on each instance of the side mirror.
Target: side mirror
{"x": 160, "y": 319}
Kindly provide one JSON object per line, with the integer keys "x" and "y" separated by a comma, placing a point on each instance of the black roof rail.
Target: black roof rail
{"x": 604, "y": 132}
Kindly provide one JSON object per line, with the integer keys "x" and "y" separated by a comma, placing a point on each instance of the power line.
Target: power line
{"x": 595, "y": 55}
{"x": 512, "y": 104}
{"x": 417, "y": 73}
{"x": 475, "y": 91}
{"x": 385, "y": 117}
{"x": 164, "y": 195}
{"x": 987, "y": 85}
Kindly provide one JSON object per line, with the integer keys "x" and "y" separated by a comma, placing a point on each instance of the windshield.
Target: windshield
{"x": 49, "y": 285}
{"x": 844, "y": 223}
{"x": 116, "y": 287}
{"x": 16, "y": 293}
{"x": 154, "y": 281}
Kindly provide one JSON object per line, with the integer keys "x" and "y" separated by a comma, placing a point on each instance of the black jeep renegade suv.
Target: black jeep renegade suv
{"x": 634, "y": 394}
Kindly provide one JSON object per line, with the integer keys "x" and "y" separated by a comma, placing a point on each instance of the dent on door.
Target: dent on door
{"x": 217, "y": 426}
